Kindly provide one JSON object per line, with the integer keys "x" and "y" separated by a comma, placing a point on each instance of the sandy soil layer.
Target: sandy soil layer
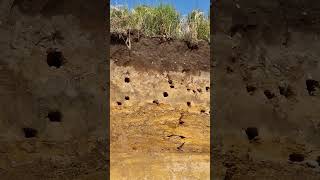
{"x": 160, "y": 114}
{"x": 160, "y": 166}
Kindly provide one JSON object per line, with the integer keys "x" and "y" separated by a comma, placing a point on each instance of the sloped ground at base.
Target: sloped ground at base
{"x": 160, "y": 166}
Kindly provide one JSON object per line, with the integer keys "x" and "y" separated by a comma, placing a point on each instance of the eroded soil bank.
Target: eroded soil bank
{"x": 52, "y": 90}
{"x": 160, "y": 111}
{"x": 266, "y": 67}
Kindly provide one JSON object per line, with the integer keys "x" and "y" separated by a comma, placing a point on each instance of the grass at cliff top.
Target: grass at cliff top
{"x": 161, "y": 20}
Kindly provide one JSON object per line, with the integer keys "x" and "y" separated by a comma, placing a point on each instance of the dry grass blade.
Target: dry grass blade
{"x": 162, "y": 20}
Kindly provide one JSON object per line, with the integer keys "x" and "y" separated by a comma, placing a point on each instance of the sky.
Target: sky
{"x": 182, "y": 6}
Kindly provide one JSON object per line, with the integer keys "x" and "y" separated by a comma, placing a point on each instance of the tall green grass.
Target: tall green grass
{"x": 161, "y": 20}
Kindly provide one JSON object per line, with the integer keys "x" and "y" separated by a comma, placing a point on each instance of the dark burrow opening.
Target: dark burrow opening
{"x": 30, "y": 132}
{"x": 311, "y": 86}
{"x": 182, "y": 137}
{"x": 233, "y": 59}
{"x": 185, "y": 70}
{"x": 318, "y": 160}
{"x": 55, "y": 58}
{"x": 126, "y": 98}
{"x": 251, "y": 89}
{"x": 119, "y": 103}
{"x": 55, "y": 116}
{"x": 180, "y": 147}
{"x": 192, "y": 45}
{"x": 269, "y": 94}
{"x": 189, "y": 104}
{"x": 229, "y": 69}
{"x": 116, "y": 38}
{"x": 207, "y": 88}
{"x": 155, "y": 102}
{"x": 296, "y": 157}
{"x": 235, "y": 28}
{"x": 286, "y": 91}
{"x": 202, "y": 111}
{"x": 252, "y": 132}
{"x": 170, "y": 81}
{"x": 165, "y": 94}
{"x": 199, "y": 90}
{"x": 171, "y": 86}
{"x": 127, "y": 80}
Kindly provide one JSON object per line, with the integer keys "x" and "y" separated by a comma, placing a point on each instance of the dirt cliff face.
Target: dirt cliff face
{"x": 265, "y": 120}
{"x": 52, "y": 90}
{"x": 266, "y": 73}
{"x": 160, "y": 110}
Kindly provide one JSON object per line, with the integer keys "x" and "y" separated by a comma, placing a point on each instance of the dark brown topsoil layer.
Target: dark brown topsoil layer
{"x": 161, "y": 54}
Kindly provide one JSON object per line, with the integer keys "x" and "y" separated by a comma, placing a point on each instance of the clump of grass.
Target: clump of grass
{"x": 162, "y": 20}
{"x": 199, "y": 25}
{"x": 119, "y": 19}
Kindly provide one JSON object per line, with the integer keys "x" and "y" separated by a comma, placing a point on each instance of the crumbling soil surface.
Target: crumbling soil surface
{"x": 266, "y": 71}
{"x": 160, "y": 111}
{"x": 160, "y": 54}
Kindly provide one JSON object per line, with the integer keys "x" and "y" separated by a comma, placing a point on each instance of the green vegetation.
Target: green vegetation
{"x": 200, "y": 24}
{"x": 162, "y": 20}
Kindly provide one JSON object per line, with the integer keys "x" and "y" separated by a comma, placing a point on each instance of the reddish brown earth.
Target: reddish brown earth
{"x": 161, "y": 55}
